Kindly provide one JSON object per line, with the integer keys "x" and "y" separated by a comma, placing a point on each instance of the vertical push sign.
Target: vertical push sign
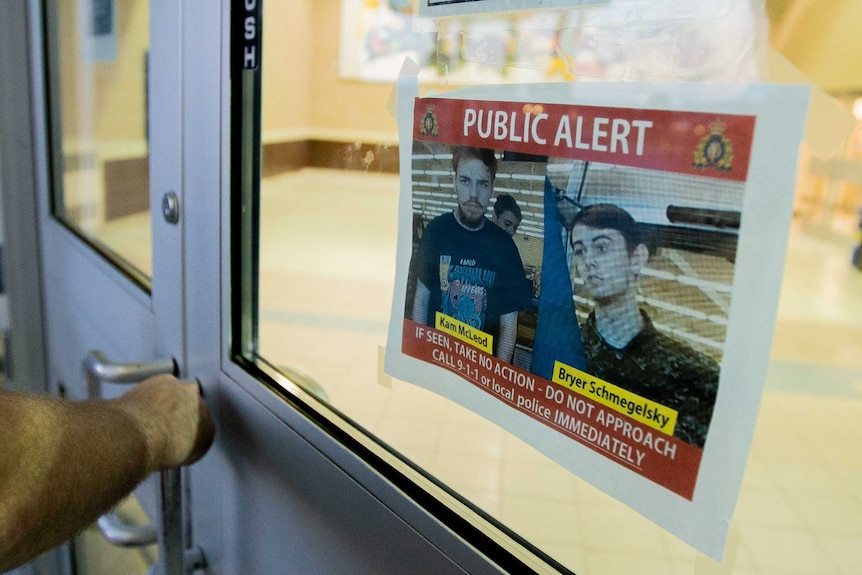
{"x": 250, "y": 32}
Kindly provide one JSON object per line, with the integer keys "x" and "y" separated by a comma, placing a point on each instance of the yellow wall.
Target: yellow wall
{"x": 820, "y": 36}
{"x": 302, "y": 90}
{"x": 104, "y": 101}
{"x": 302, "y": 93}
{"x": 823, "y": 38}
{"x": 340, "y": 103}
{"x": 289, "y": 64}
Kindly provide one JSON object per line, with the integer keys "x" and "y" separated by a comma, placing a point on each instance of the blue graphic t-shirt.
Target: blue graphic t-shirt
{"x": 473, "y": 276}
{"x": 464, "y": 290}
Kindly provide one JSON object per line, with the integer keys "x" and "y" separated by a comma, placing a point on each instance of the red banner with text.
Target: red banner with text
{"x": 703, "y": 144}
{"x": 659, "y": 457}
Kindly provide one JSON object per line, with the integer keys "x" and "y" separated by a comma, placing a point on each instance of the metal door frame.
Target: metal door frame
{"x": 194, "y": 162}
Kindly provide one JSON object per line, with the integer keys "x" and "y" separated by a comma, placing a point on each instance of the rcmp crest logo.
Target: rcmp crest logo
{"x": 429, "y": 125}
{"x": 714, "y": 150}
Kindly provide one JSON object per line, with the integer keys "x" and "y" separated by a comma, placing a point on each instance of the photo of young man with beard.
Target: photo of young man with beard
{"x": 467, "y": 267}
{"x": 621, "y": 344}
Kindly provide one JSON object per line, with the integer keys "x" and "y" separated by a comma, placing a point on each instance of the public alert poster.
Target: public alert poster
{"x": 596, "y": 268}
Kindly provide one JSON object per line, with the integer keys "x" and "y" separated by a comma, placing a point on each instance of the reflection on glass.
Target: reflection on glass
{"x": 97, "y": 59}
{"x": 328, "y": 229}
{"x": 328, "y": 209}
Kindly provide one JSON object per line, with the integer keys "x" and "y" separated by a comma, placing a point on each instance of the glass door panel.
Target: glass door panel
{"x": 97, "y": 59}
{"x": 319, "y": 242}
{"x": 326, "y": 243}
{"x": 96, "y": 80}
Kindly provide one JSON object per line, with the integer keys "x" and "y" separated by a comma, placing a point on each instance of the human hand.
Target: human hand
{"x": 174, "y": 419}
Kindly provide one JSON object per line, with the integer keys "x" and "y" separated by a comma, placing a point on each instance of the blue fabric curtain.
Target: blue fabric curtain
{"x": 558, "y": 336}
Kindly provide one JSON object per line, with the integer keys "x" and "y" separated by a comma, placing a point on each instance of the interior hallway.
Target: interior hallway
{"x": 327, "y": 266}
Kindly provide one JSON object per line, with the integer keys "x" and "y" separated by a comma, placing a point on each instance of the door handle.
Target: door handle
{"x": 100, "y": 368}
{"x": 174, "y": 558}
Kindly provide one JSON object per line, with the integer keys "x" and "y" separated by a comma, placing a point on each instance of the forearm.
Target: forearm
{"x": 507, "y": 336}
{"x": 62, "y": 464}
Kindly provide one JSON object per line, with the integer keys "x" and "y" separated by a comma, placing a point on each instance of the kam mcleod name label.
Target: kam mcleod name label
{"x": 464, "y": 332}
{"x": 638, "y": 408}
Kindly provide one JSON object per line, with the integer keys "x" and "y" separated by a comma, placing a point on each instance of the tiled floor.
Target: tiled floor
{"x": 327, "y": 265}
{"x": 327, "y": 271}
